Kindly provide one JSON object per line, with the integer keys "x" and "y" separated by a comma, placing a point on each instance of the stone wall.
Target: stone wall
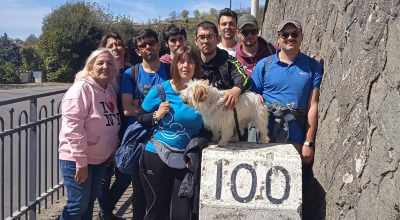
{"x": 358, "y": 150}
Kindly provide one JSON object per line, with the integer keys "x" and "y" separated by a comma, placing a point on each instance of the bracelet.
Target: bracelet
{"x": 155, "y": 118}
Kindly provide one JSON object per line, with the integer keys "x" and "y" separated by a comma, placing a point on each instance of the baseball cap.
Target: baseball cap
{"x": 289, "y": 21}
{"x": 246, "y": 19}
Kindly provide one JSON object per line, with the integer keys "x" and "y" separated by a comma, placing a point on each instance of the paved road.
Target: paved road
{"x": 14, "y": 158}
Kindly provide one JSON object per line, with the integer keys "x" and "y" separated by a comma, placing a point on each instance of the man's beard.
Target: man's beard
{"x": 150, "y": 58}
{"x": 250, "y": 44}
{"x": 209, "y": 52}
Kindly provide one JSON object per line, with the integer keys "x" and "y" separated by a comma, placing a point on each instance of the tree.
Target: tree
{"x": 58, "y": 59}
{"x": 30, "y": 57}
{"x": 173, "y": 16}
{"x": 196, "y": 13}
{"x": 74, "y": 30}
{"x": 185, "y": 14}
{"x": 9, "y": 51}
{"x": 9, "y": 74}
{"x": 32, "y": 39}
{"x": 213, "y": 12}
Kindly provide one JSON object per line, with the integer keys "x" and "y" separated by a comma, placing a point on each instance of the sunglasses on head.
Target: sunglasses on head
{"x": 285, "y": 35}
{"x": 247, "y": 32}
{"x": 149, "y": 42}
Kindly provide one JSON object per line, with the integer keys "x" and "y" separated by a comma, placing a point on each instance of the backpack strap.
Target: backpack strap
{"x": 267, "y": 63}
{"x": 224, "y": 74}
{"x": 134, "y": 75}
{"x": 161, "y": 92}
{"x": 168, "y": 70}
{"x": 313, "y": 65}
{"x": 271, "y": 48}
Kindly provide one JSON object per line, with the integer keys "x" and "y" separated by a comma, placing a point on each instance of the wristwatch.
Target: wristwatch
{"x": 310, "y": 144}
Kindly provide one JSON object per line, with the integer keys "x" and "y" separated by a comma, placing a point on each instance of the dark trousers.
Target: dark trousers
{"x": 138, "y": 198}
{"x": 108, "y": 197}
{"x": 161, "y": 185}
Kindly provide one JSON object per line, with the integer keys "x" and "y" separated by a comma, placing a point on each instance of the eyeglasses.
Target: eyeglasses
{"x": 209, "y": 37}
{"x": 149, "y": 42}
{"x": 285, "y": 35}
{"x": 247, "y": 32}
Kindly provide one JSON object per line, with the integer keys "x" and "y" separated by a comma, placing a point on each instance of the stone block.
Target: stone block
{"x": 251, "y": 181}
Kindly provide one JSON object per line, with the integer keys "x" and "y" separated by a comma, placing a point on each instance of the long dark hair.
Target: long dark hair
{"x": 119, "y": 39}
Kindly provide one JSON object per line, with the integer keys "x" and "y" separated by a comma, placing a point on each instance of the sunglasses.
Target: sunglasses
{"x": 247, "y": 32}
{"x": 150, "y": 43}
{"x": 285, "y": 35}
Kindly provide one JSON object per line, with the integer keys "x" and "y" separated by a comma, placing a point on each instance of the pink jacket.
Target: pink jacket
{"x": 90, "y": 123}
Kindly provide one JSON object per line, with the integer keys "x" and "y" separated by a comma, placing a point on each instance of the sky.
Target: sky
{"x": 20, "y": 18}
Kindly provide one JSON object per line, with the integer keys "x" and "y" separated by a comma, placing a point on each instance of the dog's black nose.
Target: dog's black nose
{"x": 185, "y": 102}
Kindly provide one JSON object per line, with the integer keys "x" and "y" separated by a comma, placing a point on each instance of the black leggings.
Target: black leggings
{"x": 161, "y": 185}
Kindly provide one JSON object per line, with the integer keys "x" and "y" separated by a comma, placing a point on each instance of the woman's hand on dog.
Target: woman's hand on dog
{"x": 162, "y": 110}
{"x": 231, "y": 97}
{"x": 260, "y": 98}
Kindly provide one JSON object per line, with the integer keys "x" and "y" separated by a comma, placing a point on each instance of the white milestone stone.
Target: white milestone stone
{"x": 250, "y": 181}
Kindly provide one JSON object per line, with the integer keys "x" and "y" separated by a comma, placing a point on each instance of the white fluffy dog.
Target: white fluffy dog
{"x": 208, "y": 101}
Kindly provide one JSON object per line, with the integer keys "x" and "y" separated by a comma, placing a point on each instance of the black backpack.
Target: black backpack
{"x": 135, "y": 73}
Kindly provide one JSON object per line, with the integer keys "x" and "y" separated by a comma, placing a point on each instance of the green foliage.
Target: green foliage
{"x": 9, "y": 74}
{"x": 185, "y": 14}
{"x": 30, "y": 55}
{"x": 63, "y": 74}
{"x": 72, "y": 31}
{"x": 9, "y": 51}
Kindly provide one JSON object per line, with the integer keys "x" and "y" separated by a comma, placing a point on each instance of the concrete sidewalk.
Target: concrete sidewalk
{"x": 124, "y": 208}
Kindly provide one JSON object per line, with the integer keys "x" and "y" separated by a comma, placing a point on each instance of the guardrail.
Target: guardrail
{"x": 35, "y": 142}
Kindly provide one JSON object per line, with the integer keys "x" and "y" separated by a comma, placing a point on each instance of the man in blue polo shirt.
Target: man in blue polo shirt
{"x": 289, "y": 82}
{"x": 292, "y": 80}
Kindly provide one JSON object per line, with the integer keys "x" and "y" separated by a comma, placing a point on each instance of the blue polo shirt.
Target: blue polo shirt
{"x": 289, "y": 84}
{"x": 144, "y": 83}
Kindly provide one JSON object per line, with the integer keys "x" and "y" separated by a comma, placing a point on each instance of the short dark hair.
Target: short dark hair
{"x": 207, "y": 25}
{"x": 173, "y": 30}
{"x": 227, "y": 12}
{"x": 191, "y": 52}
{"x": 119, "y": 39}
{"x": 144, "y": 33}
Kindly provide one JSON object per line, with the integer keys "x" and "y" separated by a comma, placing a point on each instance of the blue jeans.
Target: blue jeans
{"x": 108, "y": 197}
{"x": 81, "y": 197}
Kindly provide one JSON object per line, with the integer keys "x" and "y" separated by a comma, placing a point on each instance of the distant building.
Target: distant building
{"x": 18, "y": 42}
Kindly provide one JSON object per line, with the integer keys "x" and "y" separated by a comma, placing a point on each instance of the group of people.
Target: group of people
{"x": 108, "y": 95}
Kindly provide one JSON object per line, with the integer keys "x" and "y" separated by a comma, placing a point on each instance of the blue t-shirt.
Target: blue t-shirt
{"x": 289, "y": 84}
{"x": 179, "y": 125}
{"x": 144, "y": 83}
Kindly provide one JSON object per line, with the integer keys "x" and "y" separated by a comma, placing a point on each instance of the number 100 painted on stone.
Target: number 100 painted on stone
{"x": 250, "y": 181}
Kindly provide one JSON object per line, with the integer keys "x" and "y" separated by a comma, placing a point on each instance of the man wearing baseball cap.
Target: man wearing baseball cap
{"x": 252, "y": 47}
{"x": 290, "y": 81}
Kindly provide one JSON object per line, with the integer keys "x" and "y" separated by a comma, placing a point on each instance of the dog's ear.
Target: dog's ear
{"x": 205, "y": 82}
{"x": 200, "y": 94}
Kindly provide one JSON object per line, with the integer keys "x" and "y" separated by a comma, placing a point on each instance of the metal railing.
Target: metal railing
{"x": 29, "y": 174}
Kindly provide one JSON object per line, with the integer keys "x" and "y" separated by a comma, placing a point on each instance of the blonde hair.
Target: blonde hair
{"x": 86, "y": 71}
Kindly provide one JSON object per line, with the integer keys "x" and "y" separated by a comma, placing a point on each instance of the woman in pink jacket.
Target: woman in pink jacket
{"x": 89, "y": 133}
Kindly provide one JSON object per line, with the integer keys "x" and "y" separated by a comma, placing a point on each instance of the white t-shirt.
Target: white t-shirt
{"x": 231, "y": 51}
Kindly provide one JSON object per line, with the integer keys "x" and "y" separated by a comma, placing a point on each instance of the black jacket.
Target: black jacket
{"x": 211, "y": 71}
{"x": 190, "y": 186}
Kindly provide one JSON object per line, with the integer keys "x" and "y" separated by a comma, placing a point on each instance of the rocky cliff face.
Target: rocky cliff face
{"x": 357, "y": 157}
